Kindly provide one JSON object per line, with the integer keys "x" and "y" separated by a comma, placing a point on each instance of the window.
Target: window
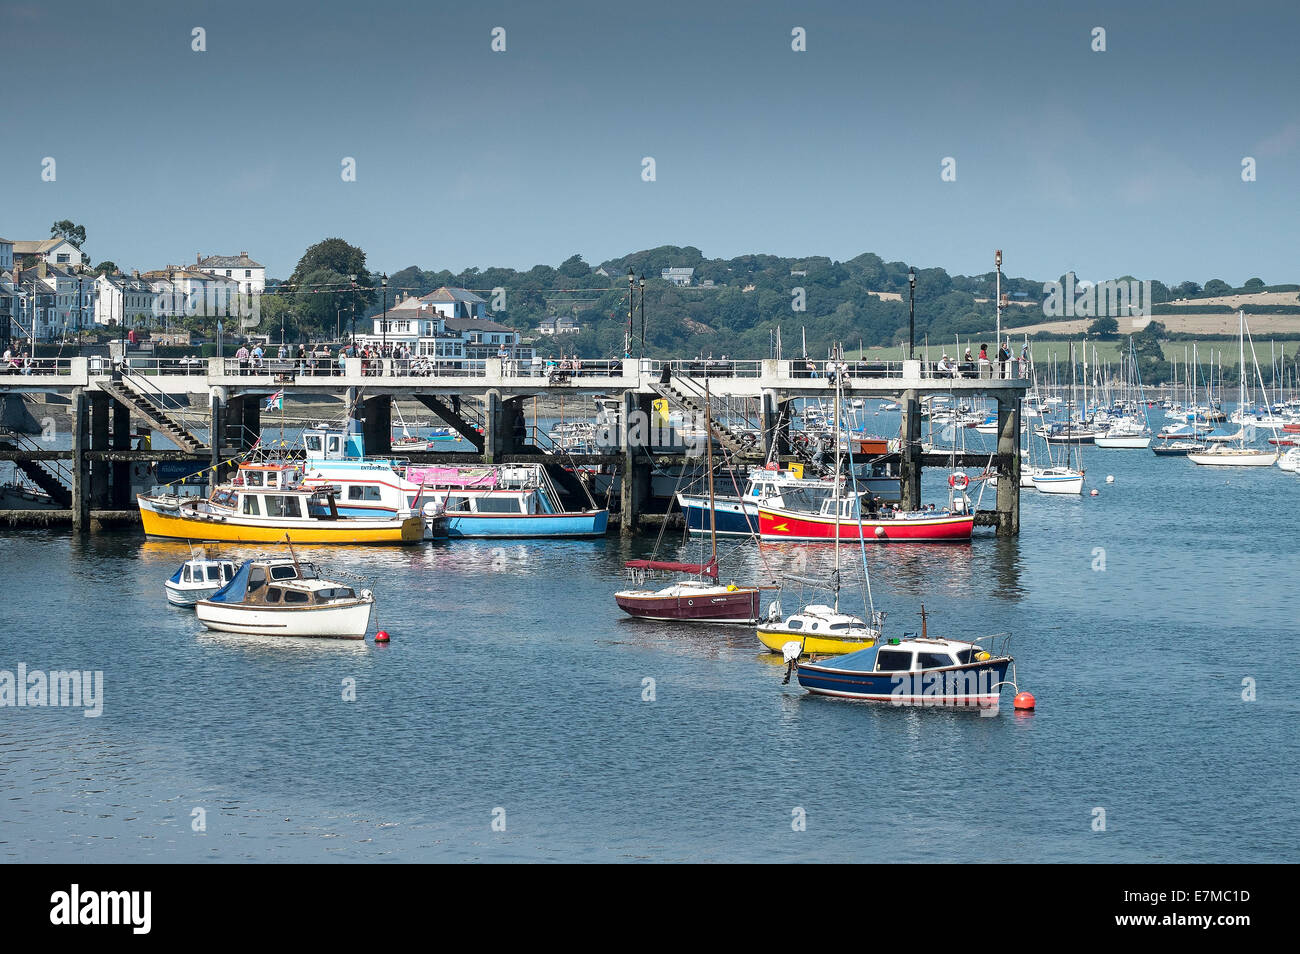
{"x": 499, "y": 505}
{"x": 296, "y": 596}
{"x": 214, "y": 574}
{"x": 935, "y": 660}
{"x": 250, "y": 505}
{"x": 283, "y": 573}
{"x": 796, "y": 624}
{"x": 893, "y": 660}
{"x": 458, "y": 503}
{"x": 63, "y": 258}
{"x": 248, "y": 273}
{"x": 186, "y": 577}
{"x": 253, "y": 478}
{"x": 227, "y": 273}
{"x": 364, "y": 492}
{"x": 280, "y": 506}
{"x": 273, "y": 594}
{"x": 314, "y": 443}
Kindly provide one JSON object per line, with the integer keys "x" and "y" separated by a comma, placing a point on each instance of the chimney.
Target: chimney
{"x": 40, "y": 268}
{"x": 135, "y": 273}
{"x": 243, "y": 255}
{"x": 198, "y": 257}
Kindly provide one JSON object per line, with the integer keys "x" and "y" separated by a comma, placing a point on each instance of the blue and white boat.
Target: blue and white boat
{"x": 197, "y": 579}
{"x": 514, "y": 502}
{"x": 912, "y": 671}
{"x": 511, "y": 502}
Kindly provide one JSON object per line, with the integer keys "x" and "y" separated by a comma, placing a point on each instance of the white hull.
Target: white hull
{"x": 1134, "y": 443}
{"x": 188, "y": 597}
{"x": 348, "y": 621}
{"x": 1248, "y": 459}
{"x": 1059, "y": 483}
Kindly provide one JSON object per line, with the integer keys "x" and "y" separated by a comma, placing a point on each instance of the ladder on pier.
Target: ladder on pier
{"x": 694, "y": 403}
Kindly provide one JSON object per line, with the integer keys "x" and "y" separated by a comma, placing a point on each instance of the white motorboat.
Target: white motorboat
{"x": 1058, "y": 480}
{"x": 1290, "y": 461}
{"x": 282, "y": 597}
{"x": 197, "y": 579}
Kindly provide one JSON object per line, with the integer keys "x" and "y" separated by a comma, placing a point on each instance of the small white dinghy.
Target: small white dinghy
{"x": 283, "y": 597}
{"x": 197, "y": 579}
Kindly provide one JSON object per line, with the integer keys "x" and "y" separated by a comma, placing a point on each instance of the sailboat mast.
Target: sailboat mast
{"x": 836, "y": 487}
{"x": 708, "y": 453}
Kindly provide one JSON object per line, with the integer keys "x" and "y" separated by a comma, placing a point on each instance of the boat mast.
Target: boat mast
{"x": 1241, "y": 376}
{"x": 835, "y": 579}
{"x": 708, "y": 452}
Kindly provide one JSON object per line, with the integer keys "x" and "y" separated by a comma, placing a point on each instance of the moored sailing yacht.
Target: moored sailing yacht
{"x": 1225, "y": 455}
{"x": 700, "y": 599}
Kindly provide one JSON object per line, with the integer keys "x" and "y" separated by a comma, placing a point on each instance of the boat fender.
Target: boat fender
{"x": 982, "y": 656}
{"x": 732, "y": 587}
{"x": 367, "y": 595}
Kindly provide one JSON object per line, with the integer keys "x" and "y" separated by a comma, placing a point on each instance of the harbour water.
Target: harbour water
{"x": 514, "y": 690}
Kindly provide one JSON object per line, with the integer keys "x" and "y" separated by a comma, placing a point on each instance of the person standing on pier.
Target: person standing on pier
{"x": 242, "y": 357}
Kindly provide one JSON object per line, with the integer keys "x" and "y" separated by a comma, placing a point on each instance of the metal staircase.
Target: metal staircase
{"x": 51, "y": 476}
{"x": 159, "y": 419}
{"x": 692, "y": 400}
{"x": 467, "y": 428}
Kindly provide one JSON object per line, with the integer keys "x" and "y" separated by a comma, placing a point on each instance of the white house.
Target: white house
{"x": 52, "y": 251}
{"x": 418, "y": 324}
{"x": 678, "y": 276}
{"x": 238, "y": 268}
{"x": 6, "y": 255}
{"x": 188, "y": 291}
{"x": 564, "y": 325}
{"x": 120, "y": 300}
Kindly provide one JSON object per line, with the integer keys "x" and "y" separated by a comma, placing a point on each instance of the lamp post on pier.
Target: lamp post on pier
{"x": 631, "y": 305}
{"x": 643, "y": 316}
{"x": 383, "y": 327}
{"x": 911, "y": 314}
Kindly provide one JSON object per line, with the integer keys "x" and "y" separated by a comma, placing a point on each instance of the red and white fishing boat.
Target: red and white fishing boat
{"x": 919, "y": 526}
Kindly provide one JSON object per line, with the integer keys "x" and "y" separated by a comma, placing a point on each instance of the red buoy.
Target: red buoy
{"x": 382, "y": 637}
{"x": 1024, "y": 701}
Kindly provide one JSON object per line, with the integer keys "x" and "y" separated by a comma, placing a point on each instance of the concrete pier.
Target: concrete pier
{"x": 485, "y": 405}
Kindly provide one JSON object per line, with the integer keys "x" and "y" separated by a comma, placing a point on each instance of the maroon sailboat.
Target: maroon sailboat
{"x": 700, "y": 598}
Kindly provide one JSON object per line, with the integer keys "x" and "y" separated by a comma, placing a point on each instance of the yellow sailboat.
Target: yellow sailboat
{"x": 263, "y": 502}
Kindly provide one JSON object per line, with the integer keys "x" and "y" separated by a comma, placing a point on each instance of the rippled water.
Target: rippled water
{"x": 513, "y": 682}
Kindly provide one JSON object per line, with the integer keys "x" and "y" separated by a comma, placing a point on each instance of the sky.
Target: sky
{"x": 1124, "y": 161}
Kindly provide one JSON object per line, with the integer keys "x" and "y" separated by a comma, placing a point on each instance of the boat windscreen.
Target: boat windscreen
{"x": 233, "y": 592}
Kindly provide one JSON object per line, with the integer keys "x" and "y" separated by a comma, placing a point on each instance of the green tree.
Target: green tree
{"x": 1216, "y": 286}
{"x": 322, "y": 285}
{"x": 1253, "y": 285}
{"x": 66, "y": 228}
{"x": 1104, "y": 328}
{"x": 105, "y": 268}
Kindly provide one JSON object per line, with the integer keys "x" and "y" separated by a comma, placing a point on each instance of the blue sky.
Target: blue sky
{"x": 1127, "y": 161}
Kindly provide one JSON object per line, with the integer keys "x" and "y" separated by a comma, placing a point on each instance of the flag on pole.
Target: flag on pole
{"x": 276, "y": 401}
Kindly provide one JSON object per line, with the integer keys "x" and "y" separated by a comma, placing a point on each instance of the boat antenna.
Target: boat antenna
{"x": 708, "y": 452}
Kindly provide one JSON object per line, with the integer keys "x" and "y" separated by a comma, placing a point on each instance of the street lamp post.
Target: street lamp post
{"x": 352, "y": 311}
{"x": 643, "y": 316}
{"x": 631, "y": 302}
{"x": 911, "y": 314}
{"x": 997, "y": 293}
{"x": 383, "y": 328}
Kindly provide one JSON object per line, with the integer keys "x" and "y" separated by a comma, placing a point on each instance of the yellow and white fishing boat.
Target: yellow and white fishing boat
{"x": 262, "y": 503}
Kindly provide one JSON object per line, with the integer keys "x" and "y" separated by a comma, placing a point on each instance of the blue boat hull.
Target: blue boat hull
{"x": 734, "y": 518}
{"x": 974, "y": 685}
{"x": 517, "y": 526}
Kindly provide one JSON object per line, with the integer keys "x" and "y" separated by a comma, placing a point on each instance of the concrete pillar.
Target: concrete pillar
{"x": 627, "y": 516}
{"x": 216, "y": 431}
{"x": 1008, "y": 466}
{"x": 121, "y": 472}
{"x": 776, "y": 425}
{"x": 494, "y": 437}
{"x": 251, "y": 428}
{"x": 99, "y": 401}
{"x": 377, "y": 428}
{"x": 514, "y": 428}
{"x": 80, "y": 482}
{"x": 909, "y": 453}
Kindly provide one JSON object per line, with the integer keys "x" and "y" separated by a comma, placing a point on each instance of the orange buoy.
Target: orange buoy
{"x": 382, "y": 637}
{"x": 1024, "y": 701}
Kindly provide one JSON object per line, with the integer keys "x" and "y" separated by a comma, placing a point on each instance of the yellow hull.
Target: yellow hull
{"x": 176, "y": 527}
{"x": 813, "y": 645}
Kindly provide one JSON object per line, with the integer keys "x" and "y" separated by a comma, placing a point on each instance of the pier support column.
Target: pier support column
{"x": 80, "y": 481}
{"x": 776, "y": 426}
{"x": 514, "y": 428}
{"x": 251, "y": 429}
{"x": 909, "y": 451}
{"x": 1008, "y": 467}
{"x": 99, "y": 469}
{"x": 628, "y": 490}
{"x": 494, "y": 437}
{"x": 216, "y": 432}
{"x": 120, "y": 493}
{"x": 377, "y": 429}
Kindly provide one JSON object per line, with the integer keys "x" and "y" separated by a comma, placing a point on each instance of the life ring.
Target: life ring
{"x": 958, "y": 481}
